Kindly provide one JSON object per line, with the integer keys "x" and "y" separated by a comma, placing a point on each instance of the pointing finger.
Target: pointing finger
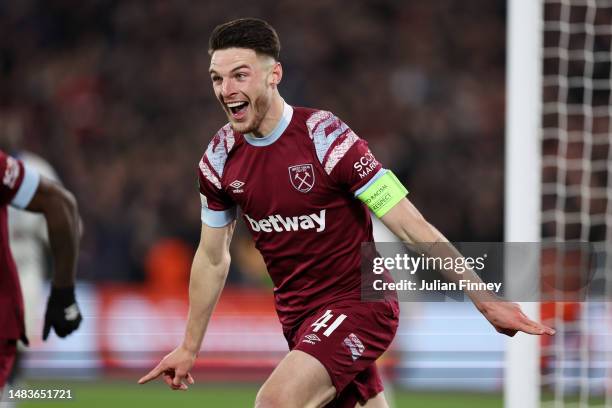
{"x": 153, "y": 374}
{"x": 546, "y": 330}
{"x": 532, "y": 328}
{"x": 543, "y": 329}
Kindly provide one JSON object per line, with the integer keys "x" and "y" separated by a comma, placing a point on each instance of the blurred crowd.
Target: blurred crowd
{"x": 117, "y": 97}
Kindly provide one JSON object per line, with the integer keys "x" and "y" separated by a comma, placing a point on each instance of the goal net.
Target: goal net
{"x": 572, "y": 138}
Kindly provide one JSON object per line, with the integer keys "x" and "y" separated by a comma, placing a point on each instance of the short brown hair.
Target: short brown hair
{"x": 252, "y": 33}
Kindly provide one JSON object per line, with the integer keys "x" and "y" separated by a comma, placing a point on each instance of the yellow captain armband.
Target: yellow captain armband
{"x": 383, "y": 194}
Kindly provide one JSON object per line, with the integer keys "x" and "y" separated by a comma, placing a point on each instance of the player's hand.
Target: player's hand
{"x": 63, "y": 313}
{"x": 175, "y": 369}
{"x": 508, "y": 319}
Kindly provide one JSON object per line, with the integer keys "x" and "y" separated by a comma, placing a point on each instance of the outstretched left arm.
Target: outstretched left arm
{"x": 407, "y": 223}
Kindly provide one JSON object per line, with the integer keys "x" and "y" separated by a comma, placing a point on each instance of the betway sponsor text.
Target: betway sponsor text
{"x": 279, "y": 223}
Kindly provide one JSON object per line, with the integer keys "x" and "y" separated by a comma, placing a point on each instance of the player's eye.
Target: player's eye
{"x": 216, "y": 79}
{"x": 241, "y": 75}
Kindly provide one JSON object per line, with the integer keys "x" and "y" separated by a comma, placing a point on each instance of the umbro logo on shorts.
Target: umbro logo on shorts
{"x": 311, "y": 339}
{"x": 354, "y": 345}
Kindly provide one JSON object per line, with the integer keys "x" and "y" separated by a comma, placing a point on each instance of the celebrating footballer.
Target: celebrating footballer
{"x": 305, "y": 184}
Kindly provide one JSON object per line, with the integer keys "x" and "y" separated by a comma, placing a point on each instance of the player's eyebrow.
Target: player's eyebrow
{"x": 241, "y": 67}
{"x": 212, "y": 70}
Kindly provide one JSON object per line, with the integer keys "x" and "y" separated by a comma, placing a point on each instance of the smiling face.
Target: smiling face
{"x": 245, "y": 84}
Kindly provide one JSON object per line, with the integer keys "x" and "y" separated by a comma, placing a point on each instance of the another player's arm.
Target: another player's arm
{"x": 386, "y": 198}
{"x": 58, "y": 205}
{"x": 60, "y": 209}
{"x": 208, "y": 273}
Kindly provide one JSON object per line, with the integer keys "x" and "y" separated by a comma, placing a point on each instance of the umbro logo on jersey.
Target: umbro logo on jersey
{"x": 279, "y": 223}
{"x": 355, "y": 346}
{"x": 302, "y": 177}
{"x": 311, "y": 339}
{"x": 237, "y": 186}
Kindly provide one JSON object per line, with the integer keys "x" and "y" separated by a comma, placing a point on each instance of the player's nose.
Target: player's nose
{"x": 227, "y": 88}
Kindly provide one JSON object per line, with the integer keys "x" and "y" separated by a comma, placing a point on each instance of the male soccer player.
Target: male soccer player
{"x": 23, "y": 187}
{"x": 304, "y": 181}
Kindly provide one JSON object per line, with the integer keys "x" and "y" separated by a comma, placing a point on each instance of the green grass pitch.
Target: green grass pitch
{"x": 115, "y": 394}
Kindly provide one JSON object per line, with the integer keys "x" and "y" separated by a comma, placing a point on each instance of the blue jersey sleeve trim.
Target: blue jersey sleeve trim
{"x": 218, "y": 219}
{"x": 29, "y": 185}
{"x": 378, "y": 175}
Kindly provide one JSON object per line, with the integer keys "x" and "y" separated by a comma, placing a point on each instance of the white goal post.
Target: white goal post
{"x": 523, "y": 181}
{"x": 559, "y": 190}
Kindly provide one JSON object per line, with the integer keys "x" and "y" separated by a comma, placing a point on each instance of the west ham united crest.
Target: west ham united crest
{"x": 302, "y": 177}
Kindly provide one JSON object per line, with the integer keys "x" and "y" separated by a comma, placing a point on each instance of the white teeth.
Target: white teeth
{"x": 234, "y": 104}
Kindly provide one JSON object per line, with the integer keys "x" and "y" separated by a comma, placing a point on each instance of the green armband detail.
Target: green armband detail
{"x": 383, "y": 194}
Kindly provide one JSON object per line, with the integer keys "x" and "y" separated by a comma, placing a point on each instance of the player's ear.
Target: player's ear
{"x": 277, "y": 74}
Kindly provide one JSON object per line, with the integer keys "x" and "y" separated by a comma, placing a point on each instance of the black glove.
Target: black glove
{"x": 63, "y": 313}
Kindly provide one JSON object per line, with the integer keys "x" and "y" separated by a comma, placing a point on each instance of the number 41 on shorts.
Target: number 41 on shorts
{"x": 322, "y": 322}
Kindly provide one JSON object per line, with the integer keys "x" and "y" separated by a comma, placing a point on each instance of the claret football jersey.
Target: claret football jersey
{"x": 18, "y": 184}
{"x": 296, "y": 190}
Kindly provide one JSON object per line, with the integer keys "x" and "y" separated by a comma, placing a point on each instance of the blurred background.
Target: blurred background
{"x": 116, "y": 97}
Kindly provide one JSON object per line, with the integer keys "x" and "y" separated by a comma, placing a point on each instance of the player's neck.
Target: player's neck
{"x": 272, "y": 118}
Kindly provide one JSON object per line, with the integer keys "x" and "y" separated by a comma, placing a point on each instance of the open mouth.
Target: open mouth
{"x": 238, "y": 109}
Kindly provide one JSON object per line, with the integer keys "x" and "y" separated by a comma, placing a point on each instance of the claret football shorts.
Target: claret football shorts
{"x": 8, "y": 351}
{"x": 347, "y": 338}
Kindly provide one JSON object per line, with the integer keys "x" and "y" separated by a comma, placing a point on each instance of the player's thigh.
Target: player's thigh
{"x": 379, "y": 401}
{"x": 299, "y": 380}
